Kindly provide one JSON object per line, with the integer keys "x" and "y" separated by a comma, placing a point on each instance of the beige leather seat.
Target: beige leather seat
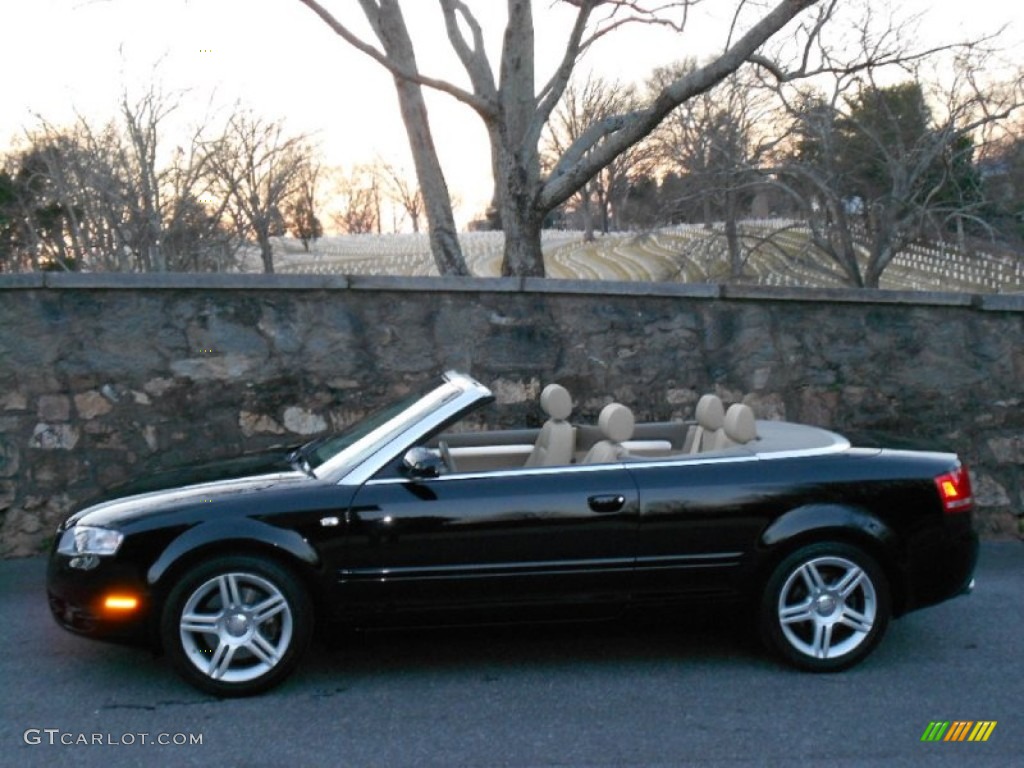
{"x": 739, "y": 424}
{"x": 709, "y": 435}
{"x": 616, "y": 423}
{"x": 557, "y": 438}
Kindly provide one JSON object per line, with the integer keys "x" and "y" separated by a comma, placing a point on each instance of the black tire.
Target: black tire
{"x": 825, "y": 607}
{"x": 247, "y": 645}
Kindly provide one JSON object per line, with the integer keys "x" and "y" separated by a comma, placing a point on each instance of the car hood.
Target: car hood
{"x": 190, "y": 486}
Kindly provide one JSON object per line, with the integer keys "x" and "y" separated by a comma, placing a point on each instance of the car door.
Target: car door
{"x": 522, "y": 541}
{"x": 699, "y": 521}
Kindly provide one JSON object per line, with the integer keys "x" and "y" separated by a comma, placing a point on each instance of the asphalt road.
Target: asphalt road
{"x": 595, "y": 695}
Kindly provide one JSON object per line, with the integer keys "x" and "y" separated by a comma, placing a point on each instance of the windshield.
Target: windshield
{"x": 363, "y": 438}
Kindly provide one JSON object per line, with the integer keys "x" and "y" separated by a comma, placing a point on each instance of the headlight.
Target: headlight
{"x": 88, "y": 540}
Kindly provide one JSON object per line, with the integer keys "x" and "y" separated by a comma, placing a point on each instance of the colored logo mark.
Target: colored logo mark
{"x": 959, "y": 730}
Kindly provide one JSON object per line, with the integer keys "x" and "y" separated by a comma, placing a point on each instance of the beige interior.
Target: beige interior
{"x": 557, "y": 439}
{"x": 709, "y": 434}
{"x": 739, "y": 424}
{"x": 616, "y": 423}
{"x": 616, "y": 437}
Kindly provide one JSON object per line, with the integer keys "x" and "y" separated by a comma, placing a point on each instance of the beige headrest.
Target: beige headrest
{"x": 710, "y": 412}
{"x": 616, "y": 422}
{"x": 556, "y": 401}
{"x": 739, "y": 424}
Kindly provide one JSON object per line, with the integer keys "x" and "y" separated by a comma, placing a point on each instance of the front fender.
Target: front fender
{"x": 820, "y": 517}
{"x": 231, "y": 530}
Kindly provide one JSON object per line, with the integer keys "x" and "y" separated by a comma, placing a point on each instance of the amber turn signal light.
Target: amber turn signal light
{"x": 121, "y": 603}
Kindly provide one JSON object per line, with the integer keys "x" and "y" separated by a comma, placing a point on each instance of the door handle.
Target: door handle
{"x": 610, "y": 503}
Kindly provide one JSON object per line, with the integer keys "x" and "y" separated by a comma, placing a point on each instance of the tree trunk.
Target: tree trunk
{"x": 266, "y": 252}
{"x": 444, "y": 242}
{"x": 518, "y": 155}
{"x": 840, "y": 226}
{"x": 523, "y": 255}
{"x": 879, "y": 260}
{"x": 521, "y": 218}
{"x": 588, "y": 214}
{"x": 732, "y": 239}
{"x": 604, "y": 206}
{"x": 437, "y": 204}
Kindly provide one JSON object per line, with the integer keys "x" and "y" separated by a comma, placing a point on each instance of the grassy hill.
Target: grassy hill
{"x": 680, "y": 254}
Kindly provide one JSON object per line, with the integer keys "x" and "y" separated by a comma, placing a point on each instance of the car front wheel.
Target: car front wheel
{"x": 825, "y": 607}
{"x": 236, "y": 625}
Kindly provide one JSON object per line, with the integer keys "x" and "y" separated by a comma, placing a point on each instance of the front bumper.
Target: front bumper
{"x": 78, "y": 599}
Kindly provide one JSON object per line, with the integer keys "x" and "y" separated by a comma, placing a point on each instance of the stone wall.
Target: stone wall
{"x": 103, "y": 377}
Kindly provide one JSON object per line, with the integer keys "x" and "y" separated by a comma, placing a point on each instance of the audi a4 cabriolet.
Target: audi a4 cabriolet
{"x": 414, "y": 517}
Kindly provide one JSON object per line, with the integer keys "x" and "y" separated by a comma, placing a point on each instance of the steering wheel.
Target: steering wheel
{"x": 446, "y": 455}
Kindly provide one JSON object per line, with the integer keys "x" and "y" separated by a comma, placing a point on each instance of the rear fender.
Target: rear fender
{"x": 824, "y": 522}
{"x": 800, "y": 522}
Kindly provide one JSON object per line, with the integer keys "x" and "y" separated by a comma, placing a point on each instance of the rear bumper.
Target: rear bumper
{"x": 941, "y": 567}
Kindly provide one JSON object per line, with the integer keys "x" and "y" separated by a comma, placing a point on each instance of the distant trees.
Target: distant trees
{"x": 584, "y": 103}
{"x": 301, "y": 210}
{"x": 115, "y": 197}
{"x": 875, "y": 167}
{"x": 100, "y": 196}
{"x": 356, "y": 198}
{"x": 717, "y": 142}
{"x": 1001, "y": 172}
{"x": 259, "y": 167}
{"x": 403, "y": 193}
{"x": 9, "y": 217}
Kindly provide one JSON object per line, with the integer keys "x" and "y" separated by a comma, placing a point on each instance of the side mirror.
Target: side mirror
{"x": 421, "y": 462}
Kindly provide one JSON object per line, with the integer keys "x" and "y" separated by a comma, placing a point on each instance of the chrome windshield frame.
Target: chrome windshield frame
{"x": 455, "y": 395}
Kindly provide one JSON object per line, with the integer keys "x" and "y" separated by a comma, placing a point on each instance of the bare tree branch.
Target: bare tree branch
{"x": 388, "y": 62}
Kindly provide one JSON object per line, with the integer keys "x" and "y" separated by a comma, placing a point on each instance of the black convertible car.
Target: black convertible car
{"x": 410, "y": 517}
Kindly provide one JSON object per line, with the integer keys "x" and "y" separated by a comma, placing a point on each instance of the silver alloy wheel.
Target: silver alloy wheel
{"x": 827, "y": 607}
{"x": 236, "y": 627}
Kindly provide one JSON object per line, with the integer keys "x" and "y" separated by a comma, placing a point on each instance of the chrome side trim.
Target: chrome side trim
{"x": 690, "y": 462}
{"x": 536, "y": 567}
{"x": 712, "y": 559}
{"x": 638, "y": 465}
{"x": 827, "y": 450}
{"x": 485, "y": 570}
{"x": 518, "y": 472}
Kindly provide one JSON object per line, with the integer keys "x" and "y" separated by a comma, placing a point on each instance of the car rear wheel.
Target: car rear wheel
{"x": 236, "y": 625}
{"x": 825, "y": 607}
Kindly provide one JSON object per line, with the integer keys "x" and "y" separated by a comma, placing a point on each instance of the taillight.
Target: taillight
{"x": 955, "y": 490}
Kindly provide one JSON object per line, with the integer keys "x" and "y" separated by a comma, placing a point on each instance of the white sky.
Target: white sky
{"x": 62, "y": 56}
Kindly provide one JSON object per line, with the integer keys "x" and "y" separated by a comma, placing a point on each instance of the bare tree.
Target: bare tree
{"x": 401, "y": 192}
{"x": 717, "y": 141}
{"x": 301, "y": 211}
{"x": 1001, "y": 163}
{"x": 878, "y": 166}
{"x": 197, "y": 234}
{"x": 582, "y": 105}
{"x": 259, "y": 167}
{"x": 515, "y": 113}
{"x": 63, "y": 176}
{"x": 100, "y": 197}
{"x": 356, "y": 198}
